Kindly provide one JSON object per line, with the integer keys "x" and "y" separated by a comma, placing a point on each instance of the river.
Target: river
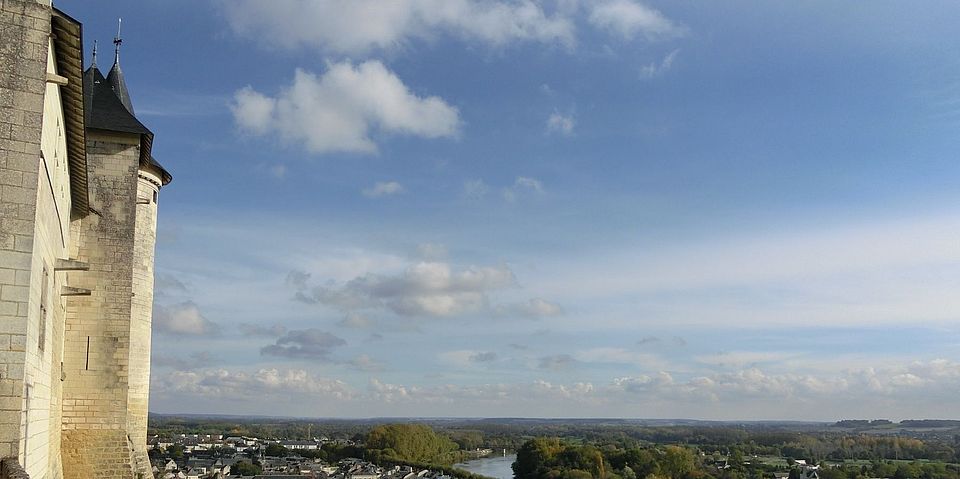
{"x": 495, "y": 466}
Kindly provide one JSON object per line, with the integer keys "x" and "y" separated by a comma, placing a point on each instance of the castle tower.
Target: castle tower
{"x": 78, "y": 207}
{"x": 108, "y": 333}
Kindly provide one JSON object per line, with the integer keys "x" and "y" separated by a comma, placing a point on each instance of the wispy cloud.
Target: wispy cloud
{"x": 269, "y": 382}
{"x": 475, "y": 189}
{"x": 532, "y": 308}
{"x": 360, "y": 26}
{"x": 890, "y": 272}
{"x": 654, "y": 69}
{"x": 559, "y": 123}
{"x": 927, "y": 386}
{"x": 383, "y": 188}
{"x": 629, "y": 18}
{"x": 430, "y": 289}
{"x": 523, "y": 184}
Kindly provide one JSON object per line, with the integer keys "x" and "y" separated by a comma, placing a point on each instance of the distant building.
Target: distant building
{"x": 300, "y": 445}
{"x": 78, "y": 208}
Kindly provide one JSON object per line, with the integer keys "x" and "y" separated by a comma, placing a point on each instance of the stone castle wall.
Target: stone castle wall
{"x": 99, "y": 335}
{"x": 88, "y": 417}
{"x": 47, "y": 313}
{"x": 30, "y": 237}
{"x": 148, "y": 191}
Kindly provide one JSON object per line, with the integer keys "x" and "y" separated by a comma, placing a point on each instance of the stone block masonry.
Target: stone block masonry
{"x": 101, "y": 334}
{"x": 25, "y": 30}
{"x": 74, "y": 368}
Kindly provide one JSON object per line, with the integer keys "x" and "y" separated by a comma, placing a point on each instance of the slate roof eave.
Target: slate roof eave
{"x": 103, "y": 110}
{"x": 67, "y": 34}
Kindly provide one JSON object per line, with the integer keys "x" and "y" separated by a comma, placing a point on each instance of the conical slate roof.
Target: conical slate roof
{"x": 104, "y": 109}
{"x": 119, "y": 85}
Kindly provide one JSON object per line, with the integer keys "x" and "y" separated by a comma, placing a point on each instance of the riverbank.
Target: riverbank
{"x": 497, "y": 467}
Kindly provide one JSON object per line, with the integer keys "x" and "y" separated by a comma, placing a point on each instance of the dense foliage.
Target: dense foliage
{"x": 410, "y": 442}
{"x": 245, "y": 468}
{"x": 553, "y": 458}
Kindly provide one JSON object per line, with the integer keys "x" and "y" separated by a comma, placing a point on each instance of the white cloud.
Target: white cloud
{"x": 221, "y": 384}
{"x": 521, "y": 185}
{"x": 254, "y": 111}
{"x": 845, "y": 392}
{"x": 388, "y": 393}
{"x": 922, "y": 388}
{"x": 629, "y": 18}
{"x": 361, "y": 26}
{"x": 541, "y": 395}
{"x": 423, "y": 289}
{"x": 183, "y": 319}
{"x": 339, "y": 110}
{"x": 558, "y": 123}
{"x": 654, "y": 69}
{"x": 342, "y": 263}
{"x": 383, "y": 188}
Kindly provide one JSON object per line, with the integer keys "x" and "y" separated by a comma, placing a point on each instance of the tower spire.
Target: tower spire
{"x": 94, "y": 63}
{"x": 115, "y": 77}
{"x": 117, "y": 41}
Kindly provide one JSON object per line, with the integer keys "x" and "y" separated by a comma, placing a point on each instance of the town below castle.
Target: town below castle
{"x": 206, "y": 456}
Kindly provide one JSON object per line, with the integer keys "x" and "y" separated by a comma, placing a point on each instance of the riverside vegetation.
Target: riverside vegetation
{"x": 623, "y": 449}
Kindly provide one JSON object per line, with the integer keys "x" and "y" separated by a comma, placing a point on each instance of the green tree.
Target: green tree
{"x": 244, "y": 468}
{"x": 677, "y": 462}
{"x": 535, "y": 457}
{"x": 409, "y": 442}
{"x": 276, "y": 450}
{"x": 175, "y": 452}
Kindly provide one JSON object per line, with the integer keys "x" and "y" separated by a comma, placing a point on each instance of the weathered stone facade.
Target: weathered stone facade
{"x": 24, "y": 52}
{"x": 98, "y": 330}
{"x": 78, "y": 211}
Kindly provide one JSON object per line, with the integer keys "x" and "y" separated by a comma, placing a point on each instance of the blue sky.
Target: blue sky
{"x": 730, "y": 210}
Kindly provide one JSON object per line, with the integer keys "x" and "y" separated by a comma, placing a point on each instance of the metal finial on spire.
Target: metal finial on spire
{"x": 117, "y": 41}
{"x": 94, "y": 64}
